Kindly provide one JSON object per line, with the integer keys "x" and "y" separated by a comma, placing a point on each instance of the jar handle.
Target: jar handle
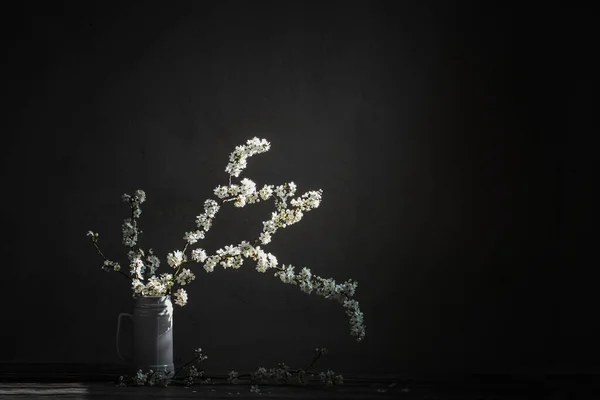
{"x": 119, "y": 334}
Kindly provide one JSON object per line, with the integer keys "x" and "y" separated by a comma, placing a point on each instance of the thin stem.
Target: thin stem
{"x": 314, "y": 360}
{"x": 106, "y": 259}
{"x": 125, "y": 275}
{"x": 188, "y": 363}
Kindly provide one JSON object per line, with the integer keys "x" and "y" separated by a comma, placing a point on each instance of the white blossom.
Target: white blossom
{"x": 237, "y": 261}
{"x": 181, "y": 297}
{"x": 265, "y": 238}
{"x": 232, "y": 378}
{"x": 221, "y": 191}
{"x": 330, "y": 378}
{"x": 155, "y": 287}
{"x": 167, "y": 281}
{"x": 136, "y": 264}
{"x": 140, "y": 196}
{"x": 229, "y": 250}
{"x": 134, "y": 201}
{"x": 176, "y": 258}
{"x": 246, "y": 249}
{"x": 328, "y": 289}
{"x": 229, "y": 257}
{"x": 238, "y": 158}
{"x": 111, "y": 266}
{"x": 266, "y": 192}
{"x": 130, "y": 233}
{"x": 203, "y": 221}
{"x": 306, "y": 285}
{"x": 193, "y": 237}
{"x": 211, "y": 263}
{"x": 185, "y": 276}
{"x": 240, "y": 201}
{"x": 93, "y": 236}
{"x": 308, "y": 200}
{"x": 255, "y": 389}
{"x": 232, "y": 261}
{"x": 137, "y": 286}
{"x": 198, "y": 255}
{"x": 211, "y": 208}
{"x": 153, "y": 262}
{"x": 280, "y": 191}
{"x": 140, "y": 378}
{"x": 233, "y": 190}
{"x": 357, "y": 327}
{"x": 270, "y": 226}
{"x": 287, "y": 275}
{"x": 264, "y": 260}
{"x": 247, "y": 187}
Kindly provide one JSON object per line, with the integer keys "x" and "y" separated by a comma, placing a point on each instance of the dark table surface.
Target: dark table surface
{"x": 82, "y": 381}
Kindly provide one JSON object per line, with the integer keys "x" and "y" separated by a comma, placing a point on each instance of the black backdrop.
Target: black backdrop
{"x": 454, "y": 191}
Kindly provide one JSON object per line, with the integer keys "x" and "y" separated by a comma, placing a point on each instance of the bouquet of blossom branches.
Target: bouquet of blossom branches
{"x": 143, "y": 266}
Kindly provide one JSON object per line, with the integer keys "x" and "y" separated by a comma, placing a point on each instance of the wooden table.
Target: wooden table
{"x": 82, "y": 381}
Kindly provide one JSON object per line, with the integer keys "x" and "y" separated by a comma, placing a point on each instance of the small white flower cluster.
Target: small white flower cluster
{"x": 140, "y": 378}
{"x": 281, "y": 373}
{"x": 243, "y": 194}
{"x": 93, "y": 236}
{"x": 231, "y": 257}
{"x": 129, "y": 227}
{"x": 319, "y": 352}
{"x": 308, "y": 200}
{"x": 176, "y": 258}
{"x": 357, "y": 327}
{"x": 111, "y": 266}
{"x": 199, "y": 255}
{"x": 156, "y": 286}
{"x": 203, "y": 222}
{"x": 192, "y": 374}
{"x": 136, "y": 264}
{"x": 181, "y": 297}
{"x": 238, "y": 158}
{"x": 330, "y": 378}
{"x": 264, "y": 260}
{"x": 130, "y": 233}
{"x": 261, "y": 375}
{"x": 150, "y": 378}
{"x": 283, "y": 193}
{"x": 153, "y": 262}
{"x": 199, "y": 355}
{"x": 185, "y": 276}
{"x": 139, "y": 196}
{"x": 232, "y": 378}
{"x": 158, "y": 378}
{"x": 254, "y": 389}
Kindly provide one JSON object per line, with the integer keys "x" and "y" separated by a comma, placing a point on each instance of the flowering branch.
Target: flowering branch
{"x": 198, "y": 357}
{"x": 280, "y": 375}
{"x": 230, "y": 256}
{"x": 107, "y": 263}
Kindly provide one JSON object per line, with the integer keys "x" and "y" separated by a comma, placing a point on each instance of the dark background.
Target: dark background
{"x": 450, "y": 142}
